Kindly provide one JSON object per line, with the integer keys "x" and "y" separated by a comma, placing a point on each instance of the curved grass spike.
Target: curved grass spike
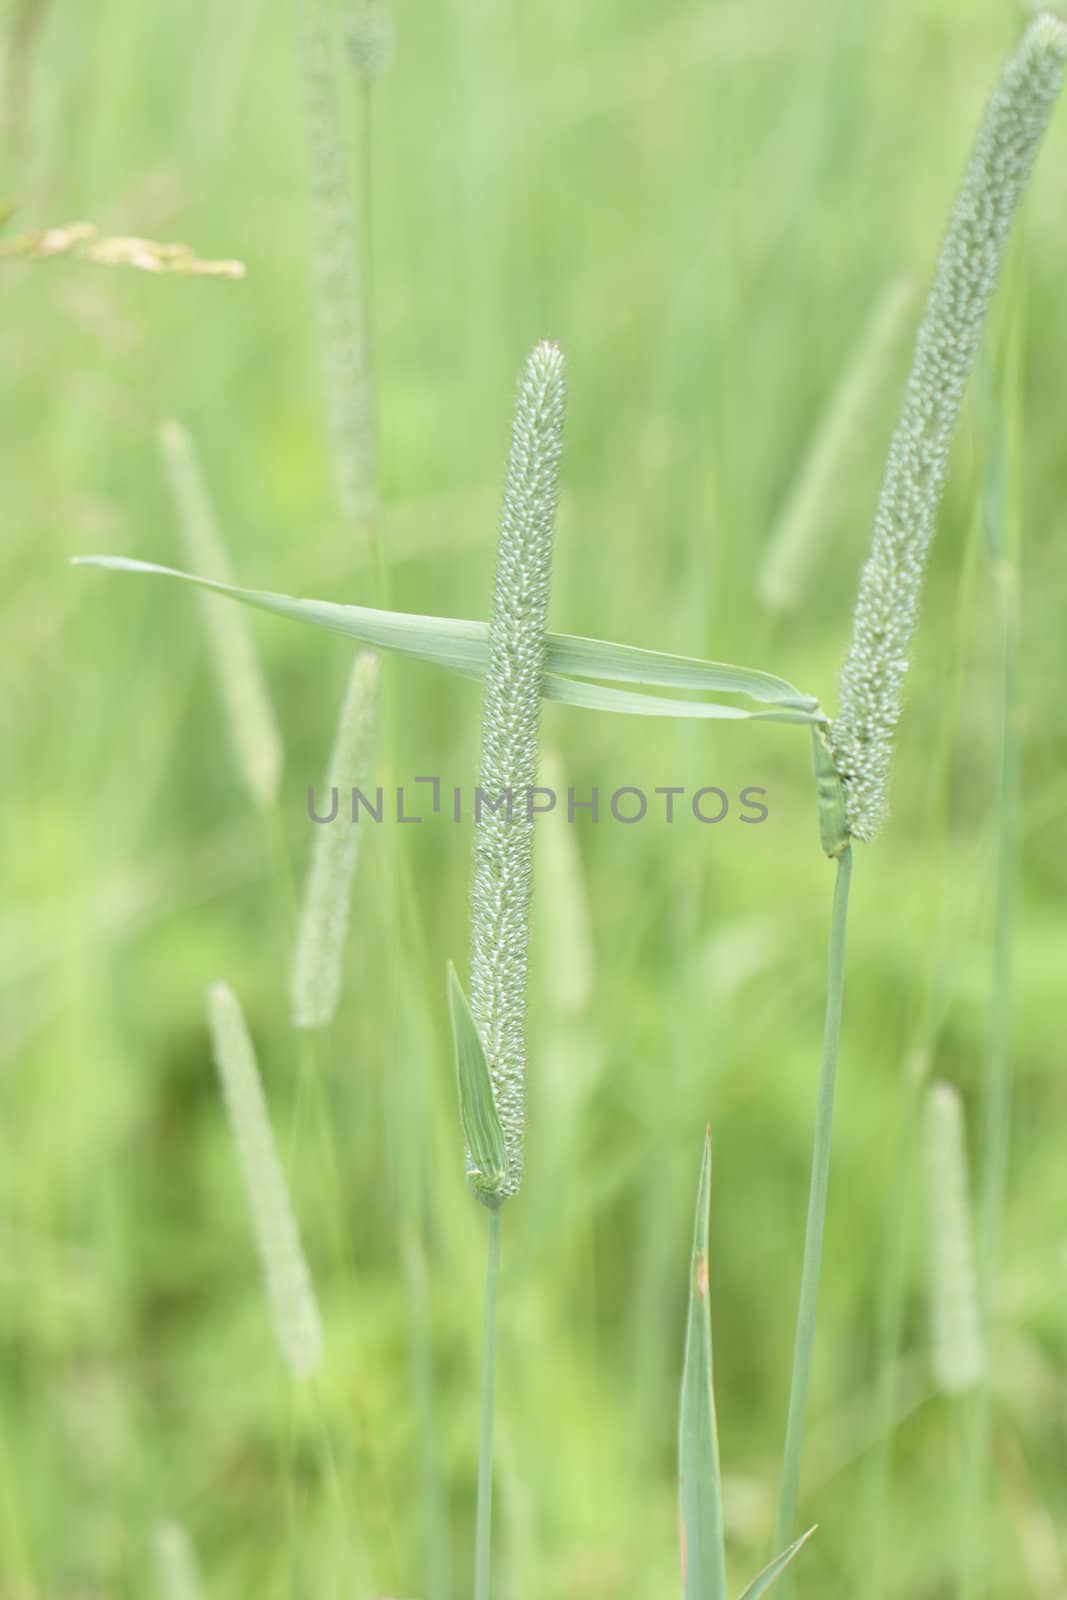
{"x": 872, "y": 679}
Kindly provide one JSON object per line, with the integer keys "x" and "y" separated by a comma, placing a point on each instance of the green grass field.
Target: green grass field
{"x": 702, "y": 201}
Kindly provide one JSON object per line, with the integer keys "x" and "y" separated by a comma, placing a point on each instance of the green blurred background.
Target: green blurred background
{"x": 701, "y": 202}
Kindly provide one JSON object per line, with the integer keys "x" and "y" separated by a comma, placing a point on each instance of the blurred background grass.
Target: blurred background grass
{"x": 701, "y": 202}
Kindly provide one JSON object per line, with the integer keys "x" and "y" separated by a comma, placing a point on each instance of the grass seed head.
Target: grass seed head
{"x": 503, "y": 845}
{"x": 872, "y": 679}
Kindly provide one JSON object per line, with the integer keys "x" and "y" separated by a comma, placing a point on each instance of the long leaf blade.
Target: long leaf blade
{"x": 487, "y": 1156}
{"x": 762, "y": 1582}
{"x": 700, "y": 1484}
{"x": 462, "y": 646}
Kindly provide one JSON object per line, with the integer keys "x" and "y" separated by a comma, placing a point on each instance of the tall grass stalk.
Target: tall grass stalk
{"x": 490, "y": 1039}
{"x": 872, "y": 679}
{"x": 483, "y": 1537}
{"x": 816, "y": 1222}
{"x": 1003, "y": 533}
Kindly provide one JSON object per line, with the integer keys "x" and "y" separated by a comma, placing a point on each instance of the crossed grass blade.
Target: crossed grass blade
{"x": 462, "y": 646}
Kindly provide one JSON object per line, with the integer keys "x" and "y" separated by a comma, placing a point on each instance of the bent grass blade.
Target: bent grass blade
{"x": 462, "y": 645}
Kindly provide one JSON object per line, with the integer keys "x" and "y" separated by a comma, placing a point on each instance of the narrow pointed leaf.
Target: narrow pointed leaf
{"x": 771, "y": 1573}
{"x": 462, "y": 647}
{"x": 700, "y": 1485}
{"x": 487, "y": 1155}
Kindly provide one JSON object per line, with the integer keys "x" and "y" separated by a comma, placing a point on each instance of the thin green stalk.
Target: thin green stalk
{"x": 996, "y": 1095}
{"x": 820, "y": 1178}
{"x": 483, "y": 1528}
{"x": 1002, "y": 530}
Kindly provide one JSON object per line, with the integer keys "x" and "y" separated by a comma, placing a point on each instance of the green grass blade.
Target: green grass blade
{"x": 487, "y": 1157}
{"x": 700, "y": 1487}
{"x": 762, "y": 1582}
{"x": 462, "y": 646}
{"x": 625, "y": 702}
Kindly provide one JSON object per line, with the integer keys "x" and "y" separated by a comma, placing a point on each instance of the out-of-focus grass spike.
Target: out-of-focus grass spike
{"x": 699, "y": 1479}
{"x": 177, "y": 1564}
{"x": 315, "y": 979}
{"x": 290, "y": 1294}
{"x": 957, "y": 1355}
{"x": 370, "y": 36}
{"x": 799, "y": 536}
{"x": 253, "y": 730}
{"x": 336, "y": 259}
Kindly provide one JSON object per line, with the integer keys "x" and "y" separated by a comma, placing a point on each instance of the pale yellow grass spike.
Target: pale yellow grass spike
{"x": 85, "y": 241}
{"x": 253, "y": 729}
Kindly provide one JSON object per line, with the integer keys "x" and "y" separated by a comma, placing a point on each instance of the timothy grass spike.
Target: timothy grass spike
{"x": 290, "y": 1294}
{"x": 341, "y": 308}
{"x": 318, "y": 959}
{"x": 503, "y": 844}
{"x": 872, "y": 679}
{"x": 253, "y": 730}
{"x": 958, "y": 1357}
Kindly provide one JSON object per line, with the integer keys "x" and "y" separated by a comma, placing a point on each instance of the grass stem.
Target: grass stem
{"x": 813, "y": 1239}
{"x": 483, "y": 1531}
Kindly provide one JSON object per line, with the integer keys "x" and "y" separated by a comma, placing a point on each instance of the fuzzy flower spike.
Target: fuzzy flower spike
{"x": 872, "y": 679}
{"x": 503, "y": 844}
